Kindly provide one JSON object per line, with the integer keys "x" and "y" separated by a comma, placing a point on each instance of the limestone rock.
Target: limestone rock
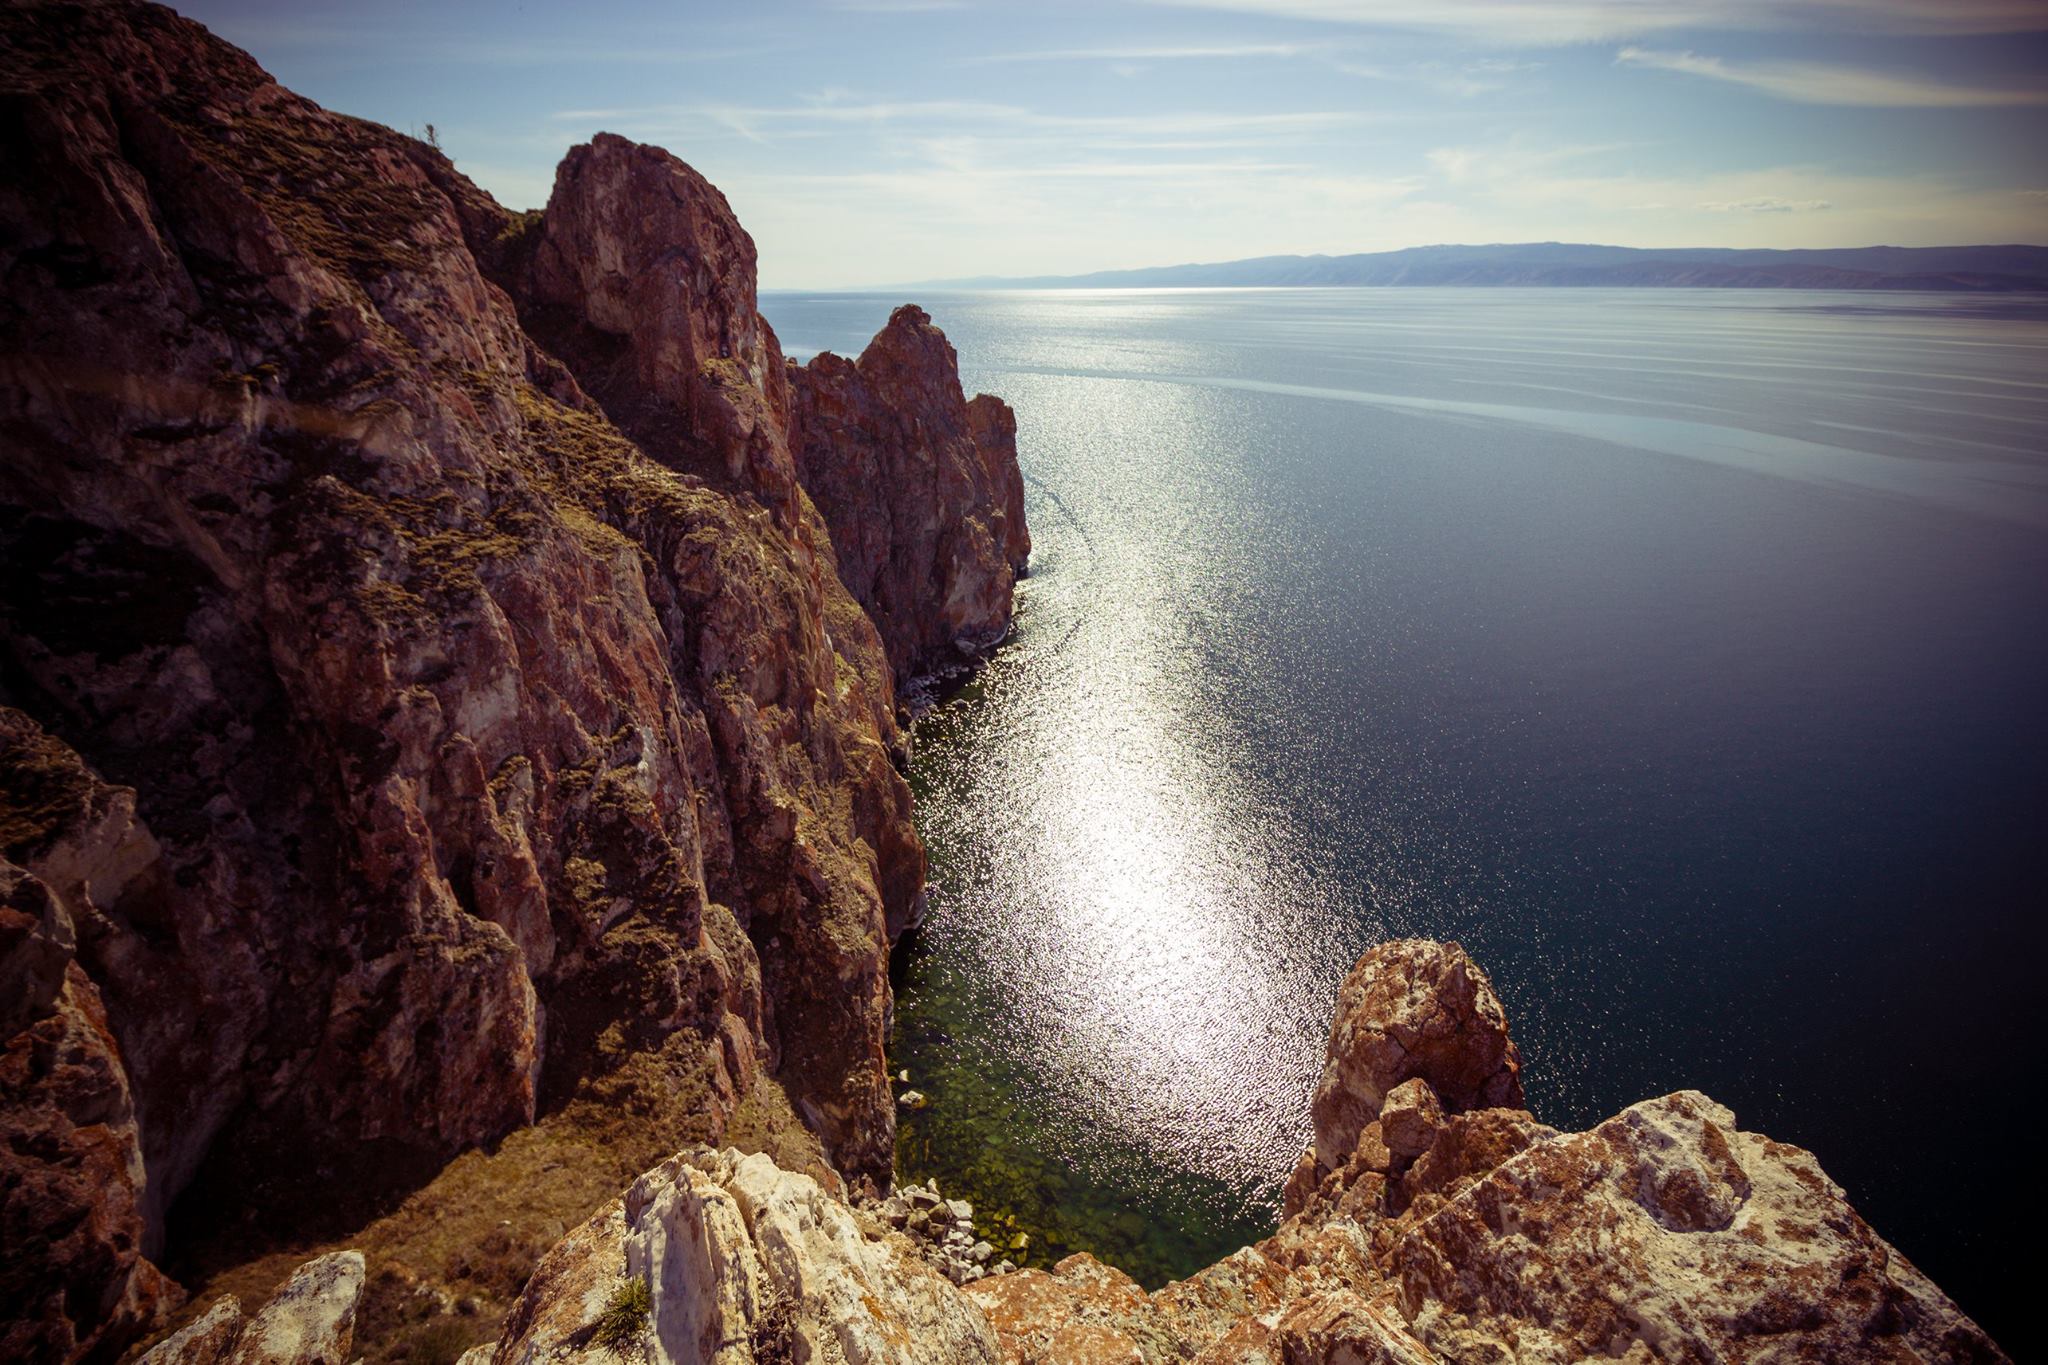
{"x": 310, "y": 1320}
{"x": 1412, "y": 1008}
{"x": 1667, "y": 1233}
{"x": 746, "y": 1263}
{"x": 204, "y": 1340}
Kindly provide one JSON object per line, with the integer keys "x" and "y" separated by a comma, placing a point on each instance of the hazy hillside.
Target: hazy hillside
{"x": 1571, "y": 264}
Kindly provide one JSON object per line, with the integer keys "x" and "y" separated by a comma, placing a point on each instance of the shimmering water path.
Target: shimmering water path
{"x": 1681, "y": 653}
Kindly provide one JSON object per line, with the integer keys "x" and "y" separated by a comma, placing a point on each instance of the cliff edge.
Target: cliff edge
{"x": 428, "y": 698}
{"x": 1434, "y": 1219}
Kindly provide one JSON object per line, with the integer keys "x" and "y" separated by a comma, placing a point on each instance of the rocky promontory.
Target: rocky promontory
{"x": 429, "y": 701}
{"x": 1446, "y": 1224}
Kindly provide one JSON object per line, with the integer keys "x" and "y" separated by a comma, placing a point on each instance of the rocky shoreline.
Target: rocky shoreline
{"x": 1432, "y": 1219}
{"x": 451, "y": 678}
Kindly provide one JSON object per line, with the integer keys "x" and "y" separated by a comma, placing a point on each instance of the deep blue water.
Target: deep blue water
{"x": 1680, "y": 653}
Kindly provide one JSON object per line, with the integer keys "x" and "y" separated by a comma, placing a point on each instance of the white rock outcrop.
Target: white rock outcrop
{"x": 744, "y": 1263}
{"x": 311, "y": 1320}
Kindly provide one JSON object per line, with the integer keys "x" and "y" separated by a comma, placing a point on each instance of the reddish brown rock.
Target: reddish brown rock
{"x": 462, "y": 726}
{"x": 641, "y": 279}
{"x": 1411, "y": 1008}
{"x": 1345, "y": 1328}
{"x": 1410, "y": 1119}
{"x": 74, "y": 1280}
{"x": 1666, "y": 1233}
{"x": 1465, "y": 1147}
{"x": 1082, "y": 1312}
{"x": 920, "y": 488}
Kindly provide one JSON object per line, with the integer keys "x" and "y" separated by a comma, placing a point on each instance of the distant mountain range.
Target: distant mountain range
{"x": 1978, "y": 268}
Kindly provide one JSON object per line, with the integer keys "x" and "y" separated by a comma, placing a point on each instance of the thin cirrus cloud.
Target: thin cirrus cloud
{"x": 765, "y": 123}
{"x": 1535, "y": 22}
{"x": 1140, "y": 53}
{"x": 1766, "y": 205}
{"x": 1822, "y": 83}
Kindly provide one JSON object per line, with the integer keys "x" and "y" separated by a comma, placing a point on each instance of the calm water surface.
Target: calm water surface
{"x": 1680, "y": 653}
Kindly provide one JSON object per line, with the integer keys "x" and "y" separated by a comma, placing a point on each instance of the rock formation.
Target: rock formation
{"x": 1417, "y": 1020}
{"x": 427, "y": 696}
{"x": 746, "y": 1262}
{"x": 311, "y": 1320}
{"x": 920, "y": 488}
{"x": 1456, "y": 1228}
{"x": 448, "y": 672}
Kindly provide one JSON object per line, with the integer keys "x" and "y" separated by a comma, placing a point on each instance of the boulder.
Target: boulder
{"x": 202, "y": 1341}
{"x": 1667, "y": 1233}
{"x": 1411, "y": 1008}
{"x": 743, "y": 1262}
{"x": 310, "y": 1320}
{"x": 1410, "y": 1119}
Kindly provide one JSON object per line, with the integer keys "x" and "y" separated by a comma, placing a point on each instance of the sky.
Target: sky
{"x": 874, "y": 142}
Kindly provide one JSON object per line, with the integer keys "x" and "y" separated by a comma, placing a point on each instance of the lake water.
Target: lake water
{"x": 1680, "y": 653}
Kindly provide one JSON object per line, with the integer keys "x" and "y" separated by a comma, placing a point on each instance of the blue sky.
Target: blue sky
{"x": 883, "y": 141}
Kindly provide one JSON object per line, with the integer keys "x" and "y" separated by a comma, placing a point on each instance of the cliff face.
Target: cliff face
{"x": 426, "y": 694}
{"x": 921, "y": 490}
{"x": 1434, "y": 1220}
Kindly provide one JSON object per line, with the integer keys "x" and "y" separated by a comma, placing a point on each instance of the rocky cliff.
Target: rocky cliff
{"x": 935, "y": 571}
{"x": 1433, "y": 1219}
{"x": 428, "y": 698}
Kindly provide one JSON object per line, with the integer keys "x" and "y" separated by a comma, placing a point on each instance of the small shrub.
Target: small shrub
{"x": 624, "y": 1319}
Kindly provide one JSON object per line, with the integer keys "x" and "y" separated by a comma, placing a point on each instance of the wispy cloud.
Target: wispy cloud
{"x": 1142, "y": 53}
{"x": 1766, "y": 204}
{"x": 1511, "y": 22}
{"x": 1822, "y": 83}
{"x": 894, "y": 6}
{"x": 1511, "y": 162}
{"x": 1463, "y": 79}
{"x": 769, "y": 122}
